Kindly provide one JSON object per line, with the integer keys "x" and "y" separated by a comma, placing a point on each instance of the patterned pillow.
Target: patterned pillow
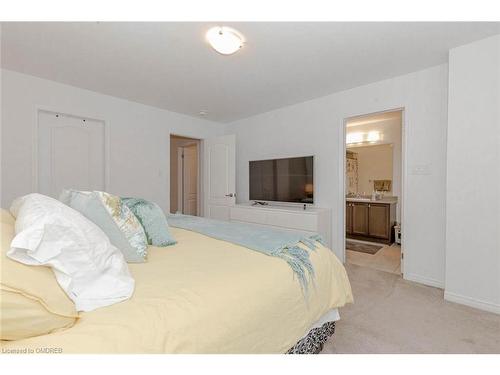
{"x": 114, "y": 218}
{"x": 153, "y": 221}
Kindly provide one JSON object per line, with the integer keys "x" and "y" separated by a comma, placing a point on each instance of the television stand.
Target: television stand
{"x": 295, "y": 218}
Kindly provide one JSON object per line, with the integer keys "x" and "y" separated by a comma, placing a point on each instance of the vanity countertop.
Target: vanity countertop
{"x": 386, "y": 200}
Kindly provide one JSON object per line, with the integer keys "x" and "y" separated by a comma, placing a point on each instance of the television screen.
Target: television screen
{"x": 283, "y": 180}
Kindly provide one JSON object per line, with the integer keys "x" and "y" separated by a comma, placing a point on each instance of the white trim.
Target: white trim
{"x": 201, "y": 197}
{"x": 34, "y": 156}
{"x": 471, "y": 302}
{"x": 404, "y": 178}
{"x": 342, "y": 171}
{"x": 180, "y": 180}
{"x": 424, "y": 280}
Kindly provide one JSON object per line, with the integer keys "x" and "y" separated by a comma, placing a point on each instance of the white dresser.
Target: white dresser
{"x": 311, "y": 220}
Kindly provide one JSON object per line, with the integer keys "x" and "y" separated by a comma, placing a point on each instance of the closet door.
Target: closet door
{"x": 70, "y": 153}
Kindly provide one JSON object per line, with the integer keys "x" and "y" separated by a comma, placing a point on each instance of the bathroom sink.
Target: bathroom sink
{"x": 359, "y": 199}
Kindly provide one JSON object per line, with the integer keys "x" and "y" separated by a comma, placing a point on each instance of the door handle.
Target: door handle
{"x": 230, "y": 195}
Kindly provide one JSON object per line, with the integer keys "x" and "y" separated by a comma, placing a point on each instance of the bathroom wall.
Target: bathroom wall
{"x": 374, "y": 163}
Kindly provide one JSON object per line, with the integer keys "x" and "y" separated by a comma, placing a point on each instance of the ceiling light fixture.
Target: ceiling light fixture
{"x": 225, "y": 40}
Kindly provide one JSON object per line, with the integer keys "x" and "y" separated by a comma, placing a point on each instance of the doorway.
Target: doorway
{"x": 373, "y": 190}
{"x": 184, "y": 175}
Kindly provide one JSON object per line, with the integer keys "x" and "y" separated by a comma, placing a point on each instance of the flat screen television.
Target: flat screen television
{"x": 282, "y": 180}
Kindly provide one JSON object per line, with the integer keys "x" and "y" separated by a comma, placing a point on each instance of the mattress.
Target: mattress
{"x": 204, "y": 295}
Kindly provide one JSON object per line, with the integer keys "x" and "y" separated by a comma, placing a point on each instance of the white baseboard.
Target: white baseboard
{"x": 424, "y": 280}
{"x": 481, "y": 305}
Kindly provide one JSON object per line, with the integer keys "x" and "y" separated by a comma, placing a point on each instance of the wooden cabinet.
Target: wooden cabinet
{"x": 348, "y": 218}
{"x": 370, "y": 221}
{"x": 379, "y": 221}
{"x": 360, "y": 218}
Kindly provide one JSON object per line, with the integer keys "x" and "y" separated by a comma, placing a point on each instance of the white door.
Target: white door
{"x": 219, "y": 176}
{"x": 188, "y": 180}
{"x": 70, "y": 153}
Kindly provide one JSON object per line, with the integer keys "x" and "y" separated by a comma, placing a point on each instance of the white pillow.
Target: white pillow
{"x": 91, "y": 271}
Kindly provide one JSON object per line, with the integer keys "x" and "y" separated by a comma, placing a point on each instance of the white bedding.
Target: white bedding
{"x": 91, "y": 271}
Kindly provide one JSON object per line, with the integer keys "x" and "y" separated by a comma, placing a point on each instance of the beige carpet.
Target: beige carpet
{"x": 391, "y": 315}
{"x": 387, "y": 259}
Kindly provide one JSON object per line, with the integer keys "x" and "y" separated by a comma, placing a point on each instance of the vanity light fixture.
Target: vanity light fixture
{"x": 354, "y": 138}
{"x": 362, "y": 138}
{"x": 373, "y": 136}
{"x": 225, "y": 40}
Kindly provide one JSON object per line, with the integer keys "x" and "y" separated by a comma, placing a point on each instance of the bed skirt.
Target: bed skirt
{"x": 314, "y": 341}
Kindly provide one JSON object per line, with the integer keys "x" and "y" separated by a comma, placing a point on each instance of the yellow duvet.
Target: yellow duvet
{"x": 206, "y": 296}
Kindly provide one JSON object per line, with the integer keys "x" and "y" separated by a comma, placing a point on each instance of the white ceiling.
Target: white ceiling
{"x": 170, "y": 65}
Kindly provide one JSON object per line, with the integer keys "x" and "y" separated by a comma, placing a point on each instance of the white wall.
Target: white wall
{"x": 473, "y": 186}
{"x": 316, "y": 127}
{"x": 138, "y": 136}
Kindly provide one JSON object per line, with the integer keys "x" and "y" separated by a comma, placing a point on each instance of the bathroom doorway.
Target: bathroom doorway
{"x": 373, "y": 190}
{"x": 184, "y": 175}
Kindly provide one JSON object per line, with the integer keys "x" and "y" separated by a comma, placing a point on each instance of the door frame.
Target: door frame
{"x": 68, "y": 113}
{"x": 199, "y": 143}
{"x": 342, "y": 178}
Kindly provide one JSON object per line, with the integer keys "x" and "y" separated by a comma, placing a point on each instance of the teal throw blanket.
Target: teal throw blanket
{"x": 273, "y": 242}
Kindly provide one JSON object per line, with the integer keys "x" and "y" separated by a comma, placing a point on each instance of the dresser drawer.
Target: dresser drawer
{"x": 293, "y": 221}
{"x": 249, "y": 216}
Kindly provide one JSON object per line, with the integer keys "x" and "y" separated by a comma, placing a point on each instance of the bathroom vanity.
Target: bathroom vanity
{"x": 371, "y": 220}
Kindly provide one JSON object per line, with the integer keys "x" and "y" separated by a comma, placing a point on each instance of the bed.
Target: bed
{"x": 204, "y": 295}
